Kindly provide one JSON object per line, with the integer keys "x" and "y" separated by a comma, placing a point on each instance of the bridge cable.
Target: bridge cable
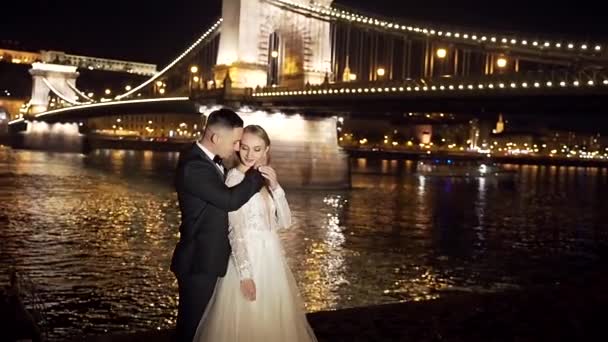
{"x": 214, "y": 29}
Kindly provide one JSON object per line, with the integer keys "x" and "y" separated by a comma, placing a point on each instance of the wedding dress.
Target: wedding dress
{"x": 277, "y": 314}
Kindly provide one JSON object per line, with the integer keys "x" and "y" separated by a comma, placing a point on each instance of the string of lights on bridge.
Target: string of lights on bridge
{"x": 102, "y": 104}
{"x": 472, "y": 37}
{"x": 443, "y": 87}
{"x": 204, "y": 36}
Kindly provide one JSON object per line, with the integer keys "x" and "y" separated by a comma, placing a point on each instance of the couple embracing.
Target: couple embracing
{"x": 234, "y": 282}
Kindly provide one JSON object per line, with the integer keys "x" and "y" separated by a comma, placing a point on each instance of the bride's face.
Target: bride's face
{"x": 253, "y": 149}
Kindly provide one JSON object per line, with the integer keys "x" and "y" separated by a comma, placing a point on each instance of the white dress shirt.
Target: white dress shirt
{"x": 210, "y": 155}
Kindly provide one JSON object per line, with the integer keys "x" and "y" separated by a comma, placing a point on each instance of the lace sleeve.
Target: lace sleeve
{"x": 283, "y": 213}
{"x": 236, "y": 220}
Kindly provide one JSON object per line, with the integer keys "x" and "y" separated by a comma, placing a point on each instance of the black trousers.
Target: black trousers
{"x": 195, "y": 292}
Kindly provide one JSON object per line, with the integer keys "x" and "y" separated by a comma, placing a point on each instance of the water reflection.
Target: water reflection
{"x": 96, "y": 234}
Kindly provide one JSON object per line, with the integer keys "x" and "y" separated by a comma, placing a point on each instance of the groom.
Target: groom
{"x": 201, "y": 255}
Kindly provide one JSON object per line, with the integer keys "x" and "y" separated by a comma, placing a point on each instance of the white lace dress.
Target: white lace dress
{"x": 277, "y": 314}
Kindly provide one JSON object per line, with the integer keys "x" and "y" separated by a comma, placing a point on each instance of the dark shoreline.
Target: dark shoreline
{"x": 94, "y": 143}
{"x": 405, "y": 155}
{"x": 569, "y": 311}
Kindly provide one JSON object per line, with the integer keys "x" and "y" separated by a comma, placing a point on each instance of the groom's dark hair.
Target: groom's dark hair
{"x": 224, "y": 118}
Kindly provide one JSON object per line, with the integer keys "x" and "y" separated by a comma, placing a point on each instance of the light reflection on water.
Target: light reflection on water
{"x": 96, "y": 234}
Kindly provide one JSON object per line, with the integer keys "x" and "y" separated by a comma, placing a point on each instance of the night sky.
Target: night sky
{"x": 150, "y": 32}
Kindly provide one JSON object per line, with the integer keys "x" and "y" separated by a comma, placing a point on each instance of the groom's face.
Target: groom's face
{"x": 229, "y": 142}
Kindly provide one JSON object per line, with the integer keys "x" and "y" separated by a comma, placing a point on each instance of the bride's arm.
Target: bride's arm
{"x": 283, "y": 214}
{"x": 236, "y": 221}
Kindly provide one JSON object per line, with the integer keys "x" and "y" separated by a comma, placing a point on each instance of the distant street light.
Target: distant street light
{"x": 194, "y": 69}
{"x": 380, "y": 72}
{"x": 441, "y": 53}
{"x": 501, "y": 62}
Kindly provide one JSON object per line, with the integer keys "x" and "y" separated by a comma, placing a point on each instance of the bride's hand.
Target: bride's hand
{"x": 269, "y": 173}
{"x": 248, "y": 289}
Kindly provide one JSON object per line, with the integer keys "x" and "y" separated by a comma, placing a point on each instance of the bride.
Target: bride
{"x": 258, "y": 299}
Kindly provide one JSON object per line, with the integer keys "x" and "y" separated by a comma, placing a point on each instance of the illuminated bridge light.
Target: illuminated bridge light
{"x": 525, "y": 85}
{"x": 590, "y": 82}
{"x": 536, "y": 84}
{"x": 549, "y": 84}
{"x": 460, "y": 86}
{"x": 470, "y": 86}
{"x": 570, "y": 46}
{"x": 576, "y": 83}
{"x": 562, "y": 83}
{"x": 598, "y": 48}
{"x": 524, "y": 42}
{"x": 584, "y": 46}
{"x": 605, "y": 82}
{"x": 501, "y": 85}
{"x": 513, "y": 85}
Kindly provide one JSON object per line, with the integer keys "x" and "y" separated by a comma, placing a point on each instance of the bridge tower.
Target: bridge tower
{"x": 52, "y": 77}
{"x": 261, "y": 43}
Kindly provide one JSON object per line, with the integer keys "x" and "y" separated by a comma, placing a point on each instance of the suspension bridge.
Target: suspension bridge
{"x": 309, "y": 57}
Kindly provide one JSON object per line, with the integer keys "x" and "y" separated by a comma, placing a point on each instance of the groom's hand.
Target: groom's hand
{"x": 248, "y": 289}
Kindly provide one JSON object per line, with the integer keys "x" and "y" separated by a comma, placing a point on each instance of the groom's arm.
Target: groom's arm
{"x": 200, "y": 179}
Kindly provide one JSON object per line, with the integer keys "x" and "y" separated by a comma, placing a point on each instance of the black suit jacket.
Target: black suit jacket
{"x": 204, "y": 202}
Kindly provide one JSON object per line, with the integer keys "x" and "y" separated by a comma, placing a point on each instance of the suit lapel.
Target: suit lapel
{"x": 203, "y": 155}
